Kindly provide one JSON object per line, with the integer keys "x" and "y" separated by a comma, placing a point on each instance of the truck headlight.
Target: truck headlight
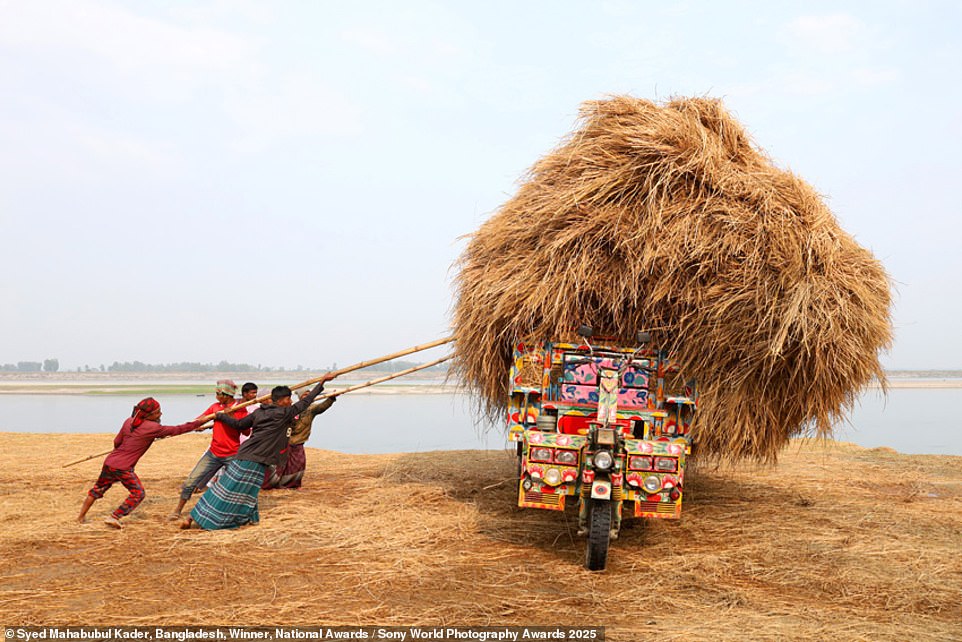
{"x": 552, "y": 476}
{"x": 602, "y": 460}
{"x": 652, "y": 483}
{"x": 567, "y": 457}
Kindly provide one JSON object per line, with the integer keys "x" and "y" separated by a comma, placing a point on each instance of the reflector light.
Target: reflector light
{"x": 666, "y": 464}
{"x": 641, "y": 462}
{"x": 539, "y": 454}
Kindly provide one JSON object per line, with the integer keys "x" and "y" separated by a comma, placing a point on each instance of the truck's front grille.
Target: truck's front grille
{"x": 534, "y": 497}
{"x": 664, "y": 508}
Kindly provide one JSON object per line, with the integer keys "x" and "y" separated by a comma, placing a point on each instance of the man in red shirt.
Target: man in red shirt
{"x": 223, "y": 445}
{"x": 135, "y": 437}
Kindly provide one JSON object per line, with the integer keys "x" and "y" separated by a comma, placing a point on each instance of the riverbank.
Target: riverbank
{"x": 97, "y": 383}
{"x": 193, "y": 384}
{"x": 835, "y": 542}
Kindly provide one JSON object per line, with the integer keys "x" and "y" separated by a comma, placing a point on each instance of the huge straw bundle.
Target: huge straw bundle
{"x": 666, "y": 217}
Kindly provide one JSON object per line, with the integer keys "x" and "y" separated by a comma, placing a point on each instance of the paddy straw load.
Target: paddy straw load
{"x": 667, "y": 218}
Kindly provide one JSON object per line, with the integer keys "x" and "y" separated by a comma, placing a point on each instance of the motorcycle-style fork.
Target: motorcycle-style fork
{"x": 609, "y": 382}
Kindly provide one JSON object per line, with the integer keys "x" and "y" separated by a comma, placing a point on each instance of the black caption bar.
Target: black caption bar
{"x": 269, "y": 634}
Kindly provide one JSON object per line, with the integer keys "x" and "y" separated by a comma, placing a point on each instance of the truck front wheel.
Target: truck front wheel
{"x": 599, "y": 534}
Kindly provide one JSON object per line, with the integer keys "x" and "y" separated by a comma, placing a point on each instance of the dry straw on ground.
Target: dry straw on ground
{"x": 666, "y": 217}
{"x": 810, "y": 550}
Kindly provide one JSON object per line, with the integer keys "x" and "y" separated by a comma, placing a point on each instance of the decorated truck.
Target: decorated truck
{"x": 594, "y": 428}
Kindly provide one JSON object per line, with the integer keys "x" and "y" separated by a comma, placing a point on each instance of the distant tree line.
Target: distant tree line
{"x": 47, "y": 365}
{"x": 398, "y": 366}
{"x": 53, "y": 365}
{"x": 226, "y": 366}
{"x": 189, "y": 366}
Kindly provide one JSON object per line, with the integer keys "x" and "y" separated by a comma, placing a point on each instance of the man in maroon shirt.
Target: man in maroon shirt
{"x": 135, "y": 437}
{"x": 223, "y": 445}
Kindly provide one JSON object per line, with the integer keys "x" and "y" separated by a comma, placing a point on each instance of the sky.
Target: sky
{"x": 289, "y": 183}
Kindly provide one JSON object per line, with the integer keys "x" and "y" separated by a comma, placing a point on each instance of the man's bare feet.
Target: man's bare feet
{"x": 186, "y": 524}
{"x": 113, "y": 522}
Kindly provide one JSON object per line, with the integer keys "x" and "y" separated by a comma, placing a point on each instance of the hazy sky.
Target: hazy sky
{"x": 285, "y": 183}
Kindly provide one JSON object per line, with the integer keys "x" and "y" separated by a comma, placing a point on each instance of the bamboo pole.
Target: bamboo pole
{"x": 338, "y": 393}
{"x": 337, "y": 373}
{"x": 356, "y": 366}
{"x": 88, "y": 458}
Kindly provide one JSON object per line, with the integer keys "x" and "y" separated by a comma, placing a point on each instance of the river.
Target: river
{"x": 913, "y": 421}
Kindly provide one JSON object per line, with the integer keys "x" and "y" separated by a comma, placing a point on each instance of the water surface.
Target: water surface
{"x": 910, "y": 420}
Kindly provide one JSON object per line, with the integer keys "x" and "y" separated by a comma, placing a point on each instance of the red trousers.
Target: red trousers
{"x": 108, "y": 477}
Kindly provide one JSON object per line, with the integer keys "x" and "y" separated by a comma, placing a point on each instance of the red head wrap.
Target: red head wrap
{"x": 142, "y": 410}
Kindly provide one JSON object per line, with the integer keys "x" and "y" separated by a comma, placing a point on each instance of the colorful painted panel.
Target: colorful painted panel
{"x": 554, "y": 439}
{"x": 583, "y": 394}
{"x": 527, "y": 370}
{"x": 581, "y": 381}
{"x": 577, "y": 371}
{"x": 520, "y": 413}
{"x": 581, "y": 373}
{"x": 645, "y": 447}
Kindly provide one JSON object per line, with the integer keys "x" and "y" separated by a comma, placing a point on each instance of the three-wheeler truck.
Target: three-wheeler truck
{"x": 594, "y": 428}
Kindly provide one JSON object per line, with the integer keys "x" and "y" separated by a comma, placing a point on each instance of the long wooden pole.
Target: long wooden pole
{"x": 88, "y": 458}
{"x": 338, "y": 373}
{"x": 356, "y": 366}
{"x": 372, "y": 382}
{"x": 338, "y": 393}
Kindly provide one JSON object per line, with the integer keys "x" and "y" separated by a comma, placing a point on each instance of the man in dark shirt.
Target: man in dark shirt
{"x": 290, "y": 472}
{"x": 232, "y": 502}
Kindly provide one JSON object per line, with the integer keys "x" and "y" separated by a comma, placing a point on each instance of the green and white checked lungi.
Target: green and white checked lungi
{"x": 232, "y": 500}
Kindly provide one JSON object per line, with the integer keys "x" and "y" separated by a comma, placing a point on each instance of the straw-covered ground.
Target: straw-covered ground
{"x": 834, "y": 542}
